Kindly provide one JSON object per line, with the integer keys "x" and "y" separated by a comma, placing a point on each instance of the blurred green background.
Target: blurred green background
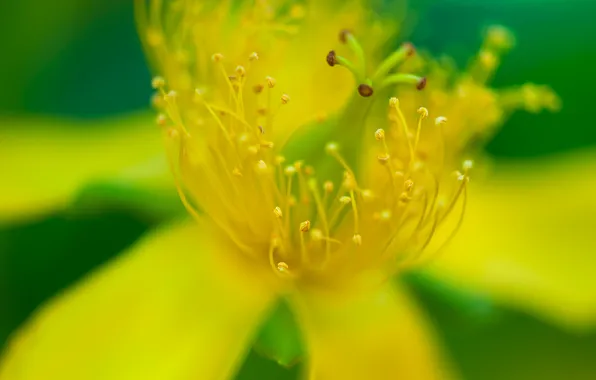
{"x": 81, "y": 60}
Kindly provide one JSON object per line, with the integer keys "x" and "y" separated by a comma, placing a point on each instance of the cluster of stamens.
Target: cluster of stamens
{"x": 279, "y": 211}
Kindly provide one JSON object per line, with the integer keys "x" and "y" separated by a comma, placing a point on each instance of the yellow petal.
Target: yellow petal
{"x": 379, "y": 334}
{"x": 44, "y": 162}
{"x": 177, "y": 306}
{"x": 528, "y": 239}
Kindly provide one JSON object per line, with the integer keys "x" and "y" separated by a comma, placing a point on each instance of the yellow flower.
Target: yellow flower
{"x": 240, "y": 87}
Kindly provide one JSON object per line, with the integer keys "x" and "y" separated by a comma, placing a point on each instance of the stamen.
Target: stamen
{"x": 394, "y": 102}
{"x": 423, "y": 115}
{"x": 312, "y": 184}
{"x": 357, "y": 238}
{"x": 304, "y": 227}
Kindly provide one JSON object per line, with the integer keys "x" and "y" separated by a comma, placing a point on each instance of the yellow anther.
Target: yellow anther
{"x": 309, "y": 170}
{"x": 345, "y": 200}
{"x": 367, "y": 195}
{"x": 279, "y": 160}
{"x": 282, "y": 267}
{"x": 328, "y": 186}
{"x": 316, "y": 234}
{"x": 261, "y": 166}
{"x": 253, "y": 56}
{"x": 267, "y": 144}
{"x": 404, "y": 198}
{"x": 468, "y": 164}
{"x": 385, "y": 215}
{"x": 217, "y": 57}
{"x": 349, "y": 181}
{"x": 241, "y": 71}
{"x": 270, "y": 81}
{"x": 171, "y": 95}
{"x": 331, "y": 148}
{"x": 499, "y": 37}
{"x": 237, "y": 172}
{"x": 488, "y": 59}
{"x": 441, "y": 120}
{"x": 253, "y": 149}
{"x": 305, "y": 226}
{"x": 380, "y": 134}
{"x": 409, "y": 185}
{"x": 161, "y": 120}
{"x": 258, "y": 88}
{"x": 394, "y": 102}
{"x": 383, "y": 159}
{"x": 277, "y": 212}
{"x": 290, "y": 170}
{"x": 285, "y": 98}
{"x": 423, "y": 112}
{"x": 157, "y": 101}
{"x": 158, "y": 82}
{"x": 357, "y": 239}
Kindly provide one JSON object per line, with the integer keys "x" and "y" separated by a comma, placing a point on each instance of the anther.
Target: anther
{"x": 423, "y": 112}
{"x": 282, "y": 267}
{"x": 383, "y": 159}
{"x": 290, "y": 170}
{"x": 217, "y": 57}
{"x": 277, "y": 212}
{"x": 241, "y": 71}
{"x": 253, "y": 57}
{"x": 285, "y": 98}
{"x": 394, "y": 102}
{"x": 468, "y": 164}
{"x": 328, "y": 186}
{"x": 440, "y": 120}
{"x": 161, "y": 120}
{"x": 345, "y": 200}
{"x": 408, "y": 185}
{"x": 357, "y": 239}
{"x": 237, "y": 172}
{"x": 279, "y": 160}
{"x": 385, "y": 215}
{"x": 158, "y": 82}
{"x": 253, "y": 149}
{"x": 367, "y": 195}
{"x": 331, "y": 148}
{"x": 270, "y": 82}
{"x": 261, "y": 166}
{"x": 305, "y": 226}
{"x": 365, "y": 90}
{"x": 171, "y": 95}
{"x": 380, "y": 134}
{"x": 261, "y": 129}
{"x": 332, "y": 58}
{"x": 258, "y": 88}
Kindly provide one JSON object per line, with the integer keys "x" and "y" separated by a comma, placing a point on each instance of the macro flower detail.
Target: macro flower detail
{"x": 315, "y": 168}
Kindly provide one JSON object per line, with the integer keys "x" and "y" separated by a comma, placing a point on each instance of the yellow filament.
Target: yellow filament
{"x": 321, "y": 209}
{"x": 355, "y": 210}
{"x": 402, "y": 121}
